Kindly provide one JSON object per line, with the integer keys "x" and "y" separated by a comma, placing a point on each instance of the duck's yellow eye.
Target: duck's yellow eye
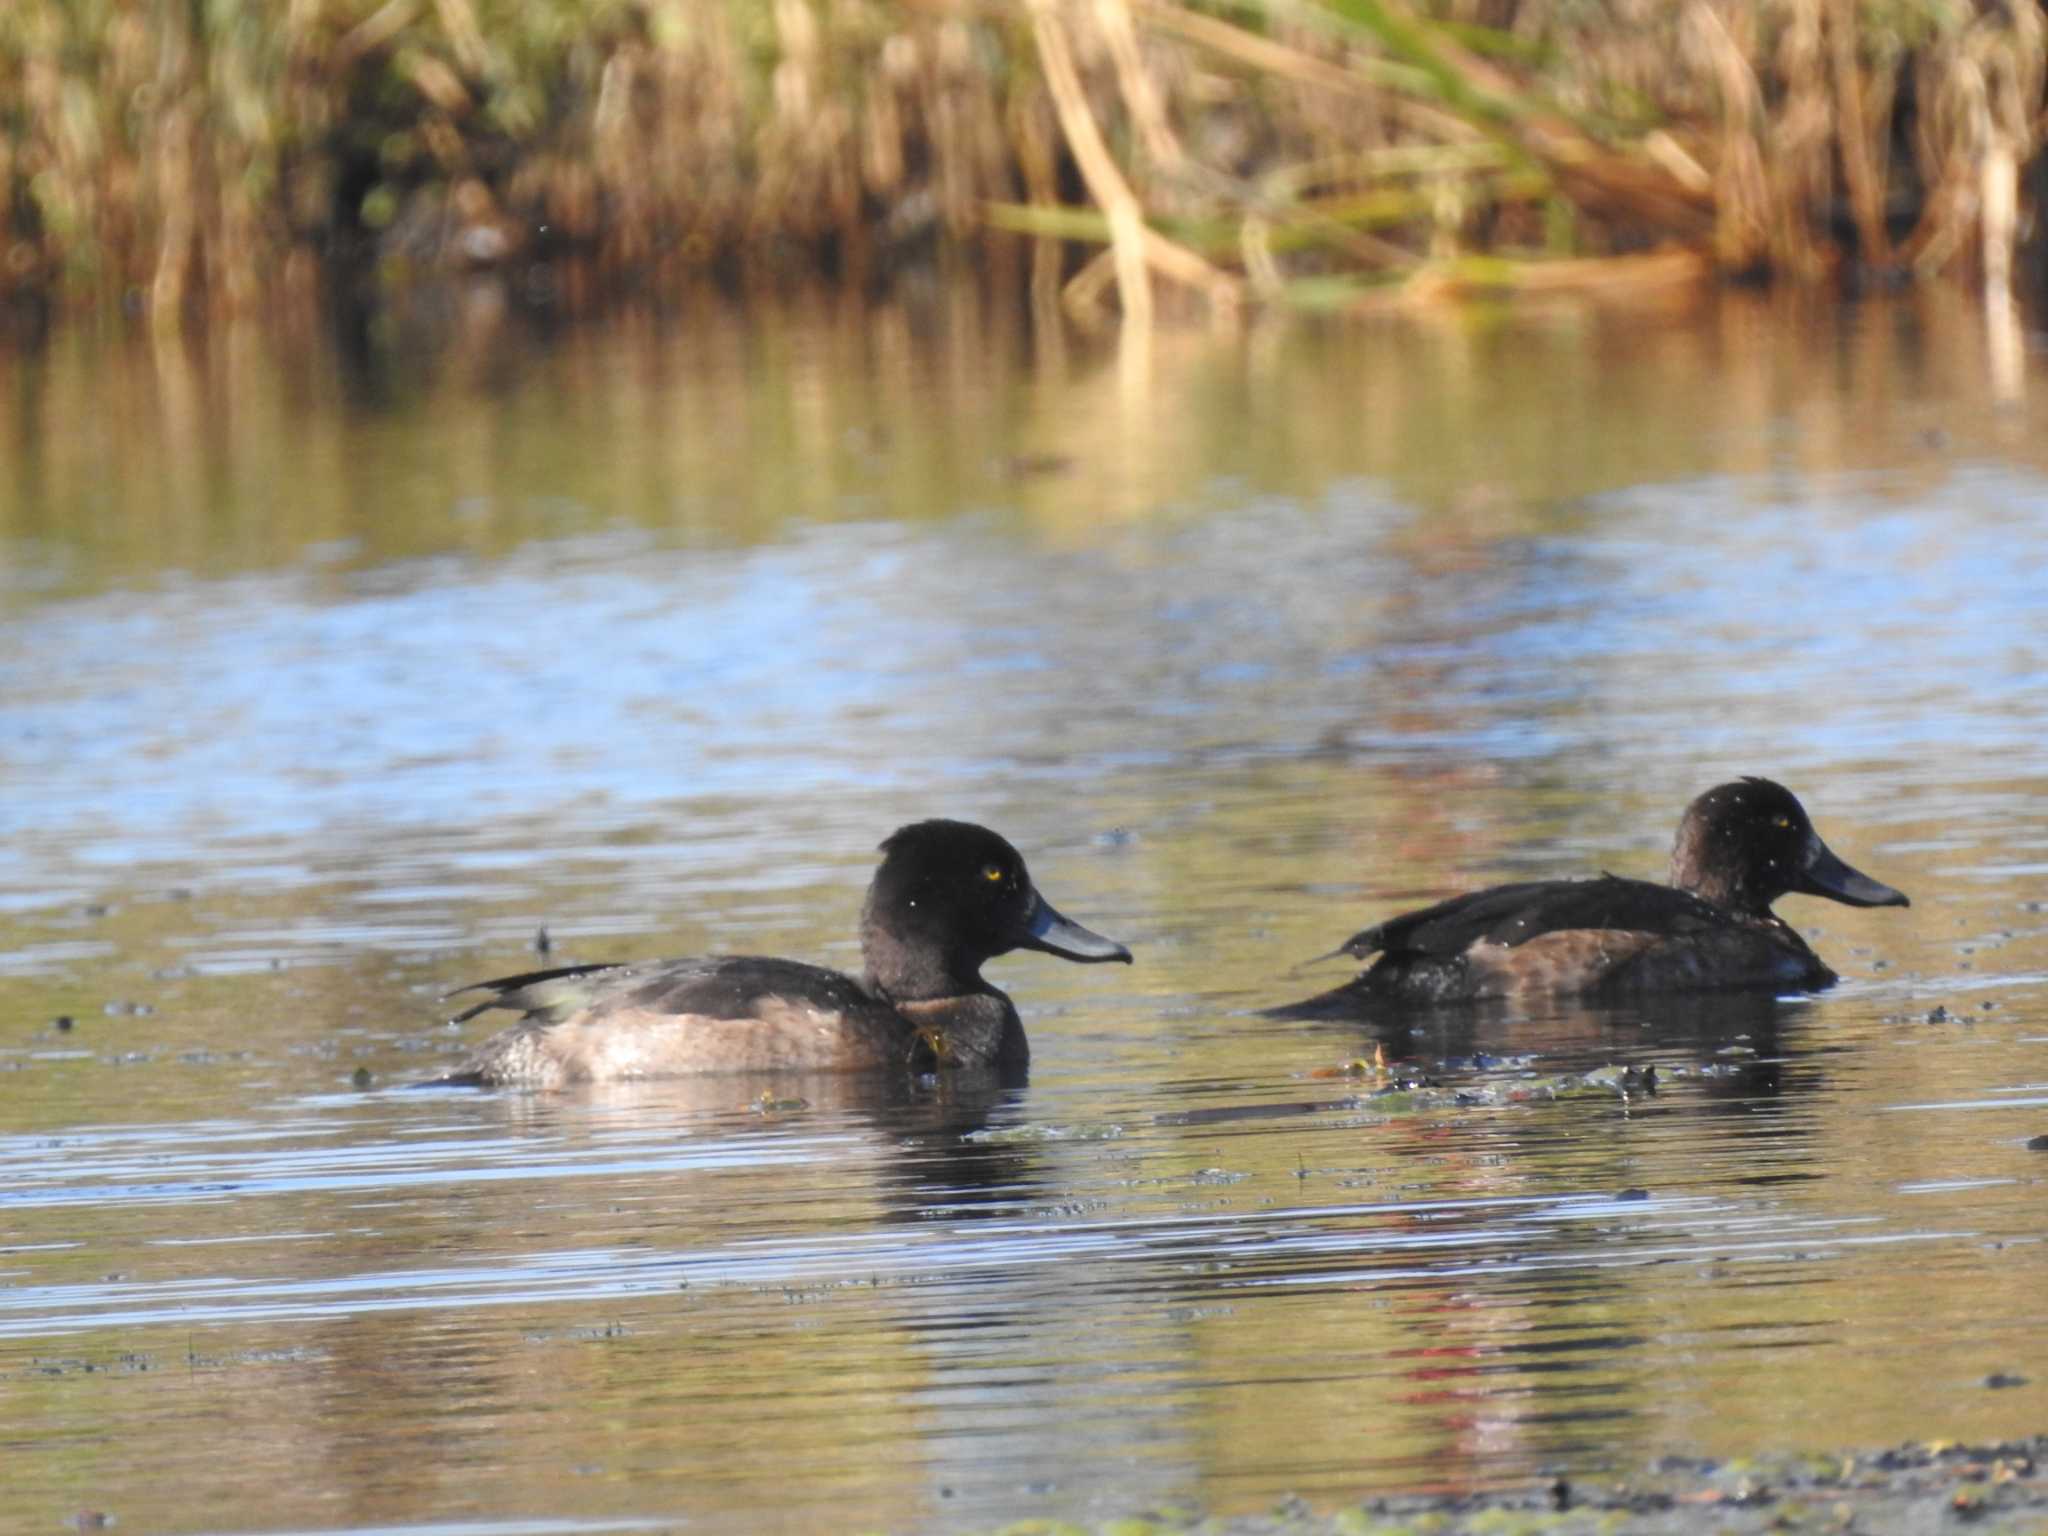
{"x": 992, "y": 872}
{"x": 1782, "y": 823}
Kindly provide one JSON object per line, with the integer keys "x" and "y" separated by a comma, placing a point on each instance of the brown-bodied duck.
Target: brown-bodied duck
{"x": 1740, "y": 847}
{"x": 948, "y": 897}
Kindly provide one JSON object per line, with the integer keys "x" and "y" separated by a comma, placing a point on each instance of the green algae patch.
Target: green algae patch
{"x": 1023, "y": 1135}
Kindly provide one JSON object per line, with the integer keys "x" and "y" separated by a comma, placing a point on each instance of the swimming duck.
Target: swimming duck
{"x": 1740, "y": 847}
{"x": 947, "y": 897}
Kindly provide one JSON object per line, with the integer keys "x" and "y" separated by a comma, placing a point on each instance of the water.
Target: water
{"x": 330, "y": 678}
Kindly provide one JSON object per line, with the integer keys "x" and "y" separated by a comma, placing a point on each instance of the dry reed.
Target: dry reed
{"x": 172, "y": 155}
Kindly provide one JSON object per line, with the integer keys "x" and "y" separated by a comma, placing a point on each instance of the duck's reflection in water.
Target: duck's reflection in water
{"x": 904, "y": 1260}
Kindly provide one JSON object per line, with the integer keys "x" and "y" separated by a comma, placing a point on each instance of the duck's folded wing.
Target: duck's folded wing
{"x": 723, "y": 987}
{"x": 1514, "y": 914}
{"x": 545, "y": 995}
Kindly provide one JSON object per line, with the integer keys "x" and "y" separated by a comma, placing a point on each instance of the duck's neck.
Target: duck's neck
{"x": 910, "y": 973}
{"x": 1695, "y": 868}
{"x": 905, "y": 970}
{"x": 960, "y": 1020}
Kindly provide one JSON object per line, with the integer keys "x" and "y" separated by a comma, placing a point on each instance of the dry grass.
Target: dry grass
{"x": 1272, "y": 149}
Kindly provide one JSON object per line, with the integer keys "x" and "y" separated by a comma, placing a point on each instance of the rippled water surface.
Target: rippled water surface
{"x": 328, "y": 679}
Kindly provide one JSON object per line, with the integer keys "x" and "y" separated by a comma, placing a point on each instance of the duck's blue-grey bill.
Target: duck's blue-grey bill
{"x": 1826, "y": 875}
{"x": 1045, "y": 929}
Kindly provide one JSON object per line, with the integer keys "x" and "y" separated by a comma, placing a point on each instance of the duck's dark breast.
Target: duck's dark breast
{"x": 975, "y": 1031}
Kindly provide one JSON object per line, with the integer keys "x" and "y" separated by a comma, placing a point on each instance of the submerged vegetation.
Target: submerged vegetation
{"x": 1283, "y": 150}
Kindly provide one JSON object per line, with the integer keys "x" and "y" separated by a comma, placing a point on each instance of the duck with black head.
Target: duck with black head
{"x": 948, "y": 897}
{"x": 1740, "y": 847}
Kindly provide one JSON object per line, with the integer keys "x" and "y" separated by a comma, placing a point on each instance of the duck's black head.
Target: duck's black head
{"x": 950, "y": 895}
{"x": 1745, "y": 844}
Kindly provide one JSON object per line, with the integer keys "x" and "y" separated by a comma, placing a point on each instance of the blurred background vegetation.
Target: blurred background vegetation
{"x": 171, "y": 154}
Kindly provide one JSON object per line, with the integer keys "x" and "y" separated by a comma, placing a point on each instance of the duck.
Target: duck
{"x": 947, "y": 897}
{"x": 1740, "y": 846}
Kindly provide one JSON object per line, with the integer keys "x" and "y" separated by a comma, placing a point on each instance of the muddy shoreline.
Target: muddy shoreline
{"x": 1917, "y": 1487}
